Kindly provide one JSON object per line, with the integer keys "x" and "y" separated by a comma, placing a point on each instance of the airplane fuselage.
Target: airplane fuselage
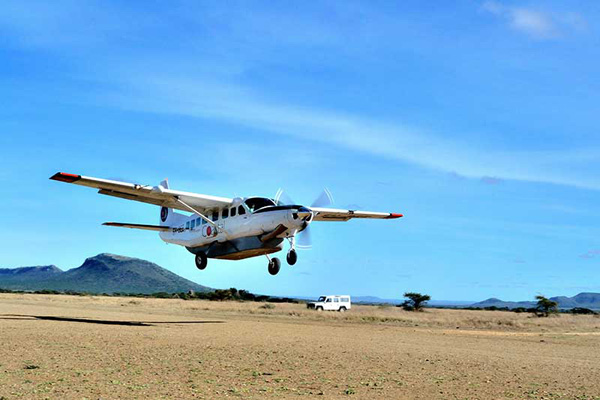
{"x": 238, "y": 232}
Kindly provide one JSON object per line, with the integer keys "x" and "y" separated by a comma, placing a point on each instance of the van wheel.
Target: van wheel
{"x": 342, "y": 309}
{"x": 319, "y": 308}
{"x": 201, "y": 260}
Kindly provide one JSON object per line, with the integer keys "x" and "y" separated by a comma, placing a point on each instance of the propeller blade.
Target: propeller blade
{"x": 325, "y": 199}
{"x": 281, "y": 197}
{"x": 303, "y": 239}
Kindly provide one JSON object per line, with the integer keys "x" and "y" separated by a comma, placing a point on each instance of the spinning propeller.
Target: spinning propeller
{"x": 324, "y": 199}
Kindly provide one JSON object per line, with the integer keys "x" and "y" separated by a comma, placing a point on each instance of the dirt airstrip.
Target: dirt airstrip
{"x": 67, "y": 347}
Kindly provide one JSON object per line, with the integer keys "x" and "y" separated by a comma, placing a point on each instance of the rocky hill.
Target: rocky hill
{"x": 104, "y": 273}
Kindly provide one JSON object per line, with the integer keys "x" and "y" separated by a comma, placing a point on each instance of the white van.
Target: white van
{"x": 332, "y": 302}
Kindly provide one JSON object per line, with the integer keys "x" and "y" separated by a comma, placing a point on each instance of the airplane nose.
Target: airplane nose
{"x": 304, "y": 213}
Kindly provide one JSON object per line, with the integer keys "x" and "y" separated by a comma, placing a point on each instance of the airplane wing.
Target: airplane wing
{"x": 157, "y": 195}
{"x": 139, "y": 226}
{"x": 332, "y": 214}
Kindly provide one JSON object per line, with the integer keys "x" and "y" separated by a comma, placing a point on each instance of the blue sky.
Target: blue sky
{"x": 476, "y": 119}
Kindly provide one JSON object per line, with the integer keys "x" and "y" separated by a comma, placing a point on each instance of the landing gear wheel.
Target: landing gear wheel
{"x": 274, "y": 266}
{"x": 201, "y": 260}
{"x": 292, "y": 257}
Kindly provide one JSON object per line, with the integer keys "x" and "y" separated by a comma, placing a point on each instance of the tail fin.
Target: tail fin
{"x": 168, "y": 217}
{"x": 165, "y": 213}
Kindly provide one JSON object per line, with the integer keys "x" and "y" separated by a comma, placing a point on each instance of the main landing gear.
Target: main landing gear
{"x": 201, "y": 260}
{"x": 292, "y": 257}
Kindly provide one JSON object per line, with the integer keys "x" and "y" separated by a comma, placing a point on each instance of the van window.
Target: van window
{"x": 215, "y": 215}
{"x": 232, "y": 212}
{"x": 193, "y": 224}
{"x": 225, "y": 213}
{"x": 187, "y": 225}
{"x": 241, "y": 210}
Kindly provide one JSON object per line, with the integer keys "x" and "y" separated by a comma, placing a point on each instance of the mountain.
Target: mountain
{"x": 585, "y": 300}
{"x": 16, "y": 276}
{"x": 104, "y": 273}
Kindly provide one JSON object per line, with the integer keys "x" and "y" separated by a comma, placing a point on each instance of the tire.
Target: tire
{"x": 274, "y": 266}
{"x": 319, "y": 308}
{"x": 342, "y": 309}
{"x": 201, "y": 261}
{"x": 292, "y": 257}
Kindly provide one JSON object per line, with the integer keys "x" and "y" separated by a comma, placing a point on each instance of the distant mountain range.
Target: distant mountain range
{"x": 110, "y": 273}
{"x": 104, "y": 273}
{"x": 585, "y": 300}
{"x": 378, "y": 300}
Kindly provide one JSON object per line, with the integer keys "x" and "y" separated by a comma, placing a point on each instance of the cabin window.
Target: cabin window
{"x": 215, "y": 215}
{"x": 225, "y": 213}
{"x": 187, "y": 225}
{"x": 193, "y": 224}
{"x": 232, "y": 212}
{"x": 241, "y": 210}
{"x": 198, "y": 221}
{"x": 203, "y": 221}
{"x": 256, "y": 203}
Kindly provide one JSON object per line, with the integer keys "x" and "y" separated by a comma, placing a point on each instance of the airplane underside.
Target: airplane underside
{"x": 238, "y": 249}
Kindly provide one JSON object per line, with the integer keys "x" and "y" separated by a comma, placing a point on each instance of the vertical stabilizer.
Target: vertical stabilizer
{"x": 165, "y": 212}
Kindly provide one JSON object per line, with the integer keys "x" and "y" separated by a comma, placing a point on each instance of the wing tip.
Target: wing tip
{"x": 65, "y": 177}
{"x": 395, "y": 215}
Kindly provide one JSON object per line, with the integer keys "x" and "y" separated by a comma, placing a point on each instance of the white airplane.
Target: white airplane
{"x": 222, "y": 228}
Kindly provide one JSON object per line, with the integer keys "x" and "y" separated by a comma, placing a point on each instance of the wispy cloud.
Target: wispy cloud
{"x": 491, "y": 180}
{"x": 590, "y": 254}
{"x": 168, "y": 82}
{"x": 533, "y": 22}
{"x": 393, "y": 140}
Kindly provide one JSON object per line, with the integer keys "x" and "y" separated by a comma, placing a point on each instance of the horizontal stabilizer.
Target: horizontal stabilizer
{"x": 139, "y": 226}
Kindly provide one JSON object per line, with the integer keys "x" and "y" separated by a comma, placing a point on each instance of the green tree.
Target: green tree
{"x": 545, "y": 306}
{"x": 415, "y": 302}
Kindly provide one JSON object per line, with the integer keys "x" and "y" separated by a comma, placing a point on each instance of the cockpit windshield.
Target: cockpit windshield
{"x": 256, "y": 203}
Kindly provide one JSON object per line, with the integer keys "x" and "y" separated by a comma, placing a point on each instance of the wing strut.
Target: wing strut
{"x": 211, "y": 223}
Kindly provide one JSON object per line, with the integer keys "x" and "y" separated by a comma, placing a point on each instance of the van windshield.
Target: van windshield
{"x": 322, "y": 298}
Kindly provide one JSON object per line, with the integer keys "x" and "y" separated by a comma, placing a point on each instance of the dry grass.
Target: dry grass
{"x": 386, "y": 315}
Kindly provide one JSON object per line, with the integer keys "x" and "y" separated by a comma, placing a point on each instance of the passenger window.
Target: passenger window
{"x": 203, "y": 221}
{"x": 225, "y": 213}
{"x": 215, "y": 215}
{"x": 198, "y": 221}
{"x": 232, "y": 212}
{"x": 193, "y": 224}
{"x": 241, "y": 210}
{"x": 187, "y": 225}
{"x": 328, "y": 301}
{"x": 345, "y": 299}
{"x": 336, "y": 300}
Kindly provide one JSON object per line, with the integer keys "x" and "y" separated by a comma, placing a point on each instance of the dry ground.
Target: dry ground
{"x": 112, "y": 348}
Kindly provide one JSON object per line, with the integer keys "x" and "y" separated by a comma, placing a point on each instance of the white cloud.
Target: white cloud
{"x": 535, "y": 23}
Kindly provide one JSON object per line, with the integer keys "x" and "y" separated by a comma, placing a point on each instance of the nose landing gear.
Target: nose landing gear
{"x": 274, "y": 265}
